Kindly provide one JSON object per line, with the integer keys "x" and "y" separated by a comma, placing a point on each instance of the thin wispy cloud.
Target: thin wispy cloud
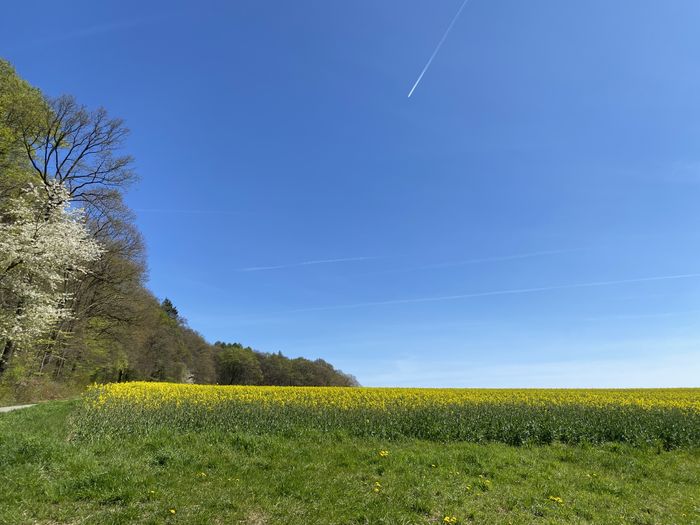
{"x": 684, "y": 172}
{"x": 183, "y": 211}
{"x": 437, "y": 48}
{"x": 657, "y": 315}
{"x": 304, "y": 263}
{"x": 516, "y": 256}
{"x": 99, "y": 29}
{"x": 511, "y": 291}
{"x": 478, "y": 260}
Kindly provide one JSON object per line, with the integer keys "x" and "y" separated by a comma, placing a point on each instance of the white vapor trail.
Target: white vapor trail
{"x": 430, "y": 60}
{"x": 304, "y": 263}
{"x": 512, "y": 291}
{"x": 496, "y": 258}
{"x": 183, "y": 211}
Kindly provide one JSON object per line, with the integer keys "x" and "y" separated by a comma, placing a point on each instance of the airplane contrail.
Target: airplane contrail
{"x": 187, "y": 211}
{"x": 512, "y": 291}
{"x": 430, "y": 60}
{"x": 496, "y": 258}
{"x": 304, "y": 263}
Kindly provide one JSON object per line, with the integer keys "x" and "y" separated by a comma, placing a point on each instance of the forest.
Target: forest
{"x": 74, "y": 306}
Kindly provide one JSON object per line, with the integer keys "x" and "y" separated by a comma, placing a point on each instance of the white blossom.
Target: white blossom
{"x": 44, "y": 241}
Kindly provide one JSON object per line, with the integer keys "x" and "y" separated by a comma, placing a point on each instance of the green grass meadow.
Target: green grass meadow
{"x": 48, "y": 476}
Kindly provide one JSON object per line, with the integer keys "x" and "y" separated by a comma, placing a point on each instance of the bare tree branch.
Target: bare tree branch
{"x": 79, "y": 148}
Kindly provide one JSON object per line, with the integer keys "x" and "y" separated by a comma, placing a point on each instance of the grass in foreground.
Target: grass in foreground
{"x": 204, "y": 477}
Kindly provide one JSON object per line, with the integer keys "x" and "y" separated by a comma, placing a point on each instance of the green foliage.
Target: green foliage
{"x": 319, "y": 479}
{"x": 22, "y": 108}
{"x": 239, "y": 365}
{"x": 169, "y": 309}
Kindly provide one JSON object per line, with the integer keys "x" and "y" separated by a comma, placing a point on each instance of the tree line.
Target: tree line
{"x": 239, "y": 365}
{"x": 74, "y": 308}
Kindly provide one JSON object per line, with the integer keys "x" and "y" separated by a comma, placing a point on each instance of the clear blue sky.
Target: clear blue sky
{"x": 550, "y": 145}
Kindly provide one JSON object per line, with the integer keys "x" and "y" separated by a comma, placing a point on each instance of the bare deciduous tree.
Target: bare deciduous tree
{"x": 79, "y": 149}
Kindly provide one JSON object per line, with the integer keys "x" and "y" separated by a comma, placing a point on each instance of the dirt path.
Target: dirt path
{"x": 16, "y": 407}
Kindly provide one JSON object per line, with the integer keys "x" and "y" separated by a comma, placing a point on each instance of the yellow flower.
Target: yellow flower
{"x": 383, "y": 453}
{"x": 556, "y": 499}
{"x": 172, "y": 511}
{"x": 450, "y": 519}
{"x": 129, "y": 405}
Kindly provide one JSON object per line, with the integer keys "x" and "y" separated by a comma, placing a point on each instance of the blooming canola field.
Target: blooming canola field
{"x": 665, "y": 417}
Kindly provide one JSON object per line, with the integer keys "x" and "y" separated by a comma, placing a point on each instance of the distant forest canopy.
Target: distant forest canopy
{"x": 239, "y": 365}
{"x": 74, "y": 308}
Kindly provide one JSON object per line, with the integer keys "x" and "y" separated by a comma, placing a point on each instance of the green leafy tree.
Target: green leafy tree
{"x": 239, "y": 366}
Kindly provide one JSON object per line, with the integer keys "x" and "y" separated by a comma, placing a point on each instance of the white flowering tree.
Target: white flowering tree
{"x": 44, "y": 242}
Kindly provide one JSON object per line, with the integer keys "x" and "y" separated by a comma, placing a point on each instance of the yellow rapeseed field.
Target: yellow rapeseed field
{"x": 156, "y": 394}
{"x": 669, "y": 416}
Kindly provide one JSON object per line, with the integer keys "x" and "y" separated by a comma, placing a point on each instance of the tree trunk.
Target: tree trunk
{"x": 9, "y": 347}
{"x": 5, "y": 356}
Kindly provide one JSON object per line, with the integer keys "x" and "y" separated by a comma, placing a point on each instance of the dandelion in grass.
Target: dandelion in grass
{"x": 556, "y": 499}
{"x": 383, "y": 453}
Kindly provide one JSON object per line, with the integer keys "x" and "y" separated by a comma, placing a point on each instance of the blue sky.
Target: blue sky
{"x": 529, "y": 217}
